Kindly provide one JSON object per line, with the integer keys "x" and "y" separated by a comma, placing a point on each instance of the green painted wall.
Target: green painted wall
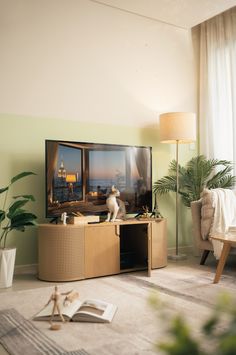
{"x": 22, "y": 149}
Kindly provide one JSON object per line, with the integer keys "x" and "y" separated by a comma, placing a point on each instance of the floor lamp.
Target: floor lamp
{"x": 178, "y": 128}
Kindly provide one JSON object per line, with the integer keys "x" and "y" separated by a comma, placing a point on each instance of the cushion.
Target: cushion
{"x": 207, "y": 213}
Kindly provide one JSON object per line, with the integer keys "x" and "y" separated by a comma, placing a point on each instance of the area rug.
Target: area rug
{"x": 133, "y": 330}
{"x": 192, "y": 282}
{"x": 20, "y": 336}
{"x": 136, "y": 327}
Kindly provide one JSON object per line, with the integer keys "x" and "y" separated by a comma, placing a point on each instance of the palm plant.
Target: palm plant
{"x": 12, "y": 215}
{"x": 198, "y": 174}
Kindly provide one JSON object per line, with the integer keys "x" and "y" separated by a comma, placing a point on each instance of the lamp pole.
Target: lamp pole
{"x": 177, "y": 200}
{"x": 177, "y": 256}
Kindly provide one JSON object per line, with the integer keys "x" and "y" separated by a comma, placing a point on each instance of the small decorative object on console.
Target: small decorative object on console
{"x": 155, "y": 212}
{"x": 64, "y": 218}
{"x": 115, "y": 206}
{"x": 83, "y": 219}
{"x": 144, "y": 214}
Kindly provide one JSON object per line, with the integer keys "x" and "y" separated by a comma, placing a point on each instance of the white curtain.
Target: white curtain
{"x": 218, "y": 86}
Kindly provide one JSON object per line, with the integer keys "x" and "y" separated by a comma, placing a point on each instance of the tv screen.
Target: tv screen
{"x": 79, "y": 177}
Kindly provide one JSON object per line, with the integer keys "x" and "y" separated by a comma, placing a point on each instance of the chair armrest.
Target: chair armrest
{"x": 196, "y": 218}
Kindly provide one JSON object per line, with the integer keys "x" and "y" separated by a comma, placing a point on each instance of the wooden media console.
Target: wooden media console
{"x": 74, "y": 252}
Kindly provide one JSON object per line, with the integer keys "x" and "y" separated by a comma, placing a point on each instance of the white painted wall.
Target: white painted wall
{"x": 80, "y": 60}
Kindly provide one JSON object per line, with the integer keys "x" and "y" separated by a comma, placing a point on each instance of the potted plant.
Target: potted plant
{"x": 198, "y": 174}
{"x": 12, "y": 217}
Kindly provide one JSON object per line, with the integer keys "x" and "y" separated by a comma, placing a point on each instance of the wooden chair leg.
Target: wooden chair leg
{"x": 204, "y": 256}
{"x": 222, "y": 261}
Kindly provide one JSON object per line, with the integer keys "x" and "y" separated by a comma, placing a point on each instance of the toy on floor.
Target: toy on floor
{"x": 55, "y": 298}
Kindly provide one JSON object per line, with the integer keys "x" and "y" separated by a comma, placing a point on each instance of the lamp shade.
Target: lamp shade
{"x": 178, "y": 126}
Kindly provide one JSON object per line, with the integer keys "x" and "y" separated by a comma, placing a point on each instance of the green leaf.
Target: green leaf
{"x": 210, "y": 324}
{"x": 23, "y": 219}
{"x": 164, "y": 185}
{"x": 4, "y": 189}
{"x": 226, "y": 182}
{"x": 18, "y": 212}
{"x": 21, "y": 227}
{"x": 183, "y": 343}
{"x": 28, "y": 197}
{"x": 2, "y": 215}
{"x": 21, "y": 175}
{"x": 14, "y": 207}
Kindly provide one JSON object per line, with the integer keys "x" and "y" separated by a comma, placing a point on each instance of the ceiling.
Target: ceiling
{"x": 181, "y": 13}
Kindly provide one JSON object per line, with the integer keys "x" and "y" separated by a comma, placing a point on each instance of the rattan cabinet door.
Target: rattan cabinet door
{"x": 102, "y": 251}
{"x": 60, "y": 252}
{"x": 159, "y": 243}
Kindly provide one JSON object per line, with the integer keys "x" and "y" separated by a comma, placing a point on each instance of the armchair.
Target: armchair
{"x": 203, "y": 245}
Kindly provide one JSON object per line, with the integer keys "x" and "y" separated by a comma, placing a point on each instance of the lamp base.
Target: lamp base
{"x": 177, "y": 257}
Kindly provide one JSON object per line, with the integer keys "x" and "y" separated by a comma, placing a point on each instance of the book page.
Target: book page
{"x": 67, "y": 311}
{"x": 93, "y": 306}
{"x": 95, "y": 311}
{"x": 90, "y": 309}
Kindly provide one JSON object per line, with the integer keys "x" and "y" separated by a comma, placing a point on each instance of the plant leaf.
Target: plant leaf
{"x": 2, "y": 215}
{"x": 210, "y": 324}
{"x": 4, "y": 189}
{"x": 28, "y": 197}
{"x": 164, "y": 185}
{"x": 21, "y": 228}
{"x": 14, "y": 207}
{"x": 23, "y": 219}
{"x": 21, "y": 175}
{"x": 199, "y": 173}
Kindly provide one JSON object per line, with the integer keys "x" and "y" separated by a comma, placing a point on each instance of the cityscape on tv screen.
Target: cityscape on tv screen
{"x": 79, "y": 177}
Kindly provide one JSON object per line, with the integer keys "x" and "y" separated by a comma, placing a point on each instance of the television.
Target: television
{"x": 80, "y": 175}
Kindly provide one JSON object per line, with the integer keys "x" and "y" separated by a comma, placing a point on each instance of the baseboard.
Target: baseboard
{"x": 185, "y": 249}
{"x": 26, "y": 269}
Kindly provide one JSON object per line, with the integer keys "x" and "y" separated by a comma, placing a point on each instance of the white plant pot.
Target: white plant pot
{"x": 7, "y": 264}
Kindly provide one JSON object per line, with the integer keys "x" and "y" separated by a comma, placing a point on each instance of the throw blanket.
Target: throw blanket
{"x": 224, "y": 202}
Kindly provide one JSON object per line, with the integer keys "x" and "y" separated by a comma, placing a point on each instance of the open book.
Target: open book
{"x": 91, "y": 310}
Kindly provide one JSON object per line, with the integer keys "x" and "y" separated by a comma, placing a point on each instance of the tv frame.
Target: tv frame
{"x": 86, "y": 147}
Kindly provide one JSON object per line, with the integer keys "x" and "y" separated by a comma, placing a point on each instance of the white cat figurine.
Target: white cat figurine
{"x": 113, "y": 206}
{"x": 64, "y": 217}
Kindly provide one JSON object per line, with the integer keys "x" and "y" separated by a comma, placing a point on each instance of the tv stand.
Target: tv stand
{"x": 74, "y": 252}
